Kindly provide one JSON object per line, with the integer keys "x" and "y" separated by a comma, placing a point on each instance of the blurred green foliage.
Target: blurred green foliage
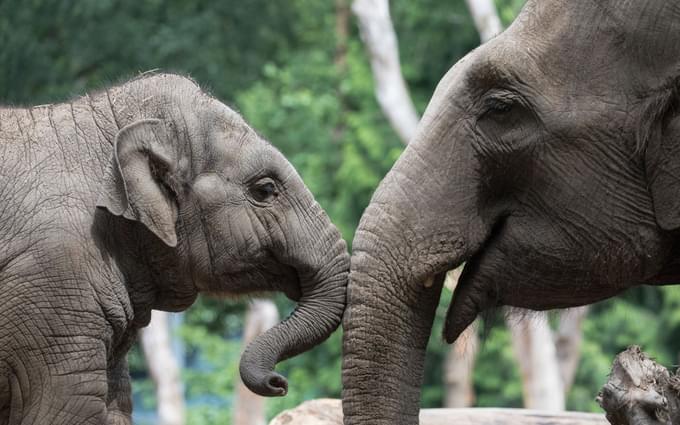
{"x": 277, "y": 62}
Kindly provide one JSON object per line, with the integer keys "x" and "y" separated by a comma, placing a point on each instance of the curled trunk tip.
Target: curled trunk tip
{"x": 317, "y": 315}
{"x": 259, "y": 376}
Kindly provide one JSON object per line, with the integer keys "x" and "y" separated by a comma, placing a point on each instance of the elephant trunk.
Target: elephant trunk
{"x": 418, "y": 226}
{"x": 387, "y": 327}
{"x": 323, "y": 283}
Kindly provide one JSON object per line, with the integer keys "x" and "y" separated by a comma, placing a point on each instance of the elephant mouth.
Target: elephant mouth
{"x": 468, "y": 262}
{"x": 258, "y": 279}
{"x": 293, "y": 290}
{"x": 290, "y": 283}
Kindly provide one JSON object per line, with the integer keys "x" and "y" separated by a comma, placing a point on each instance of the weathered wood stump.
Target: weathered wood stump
{"x": 640, "y": 391}
{"x": 329, "y": 412}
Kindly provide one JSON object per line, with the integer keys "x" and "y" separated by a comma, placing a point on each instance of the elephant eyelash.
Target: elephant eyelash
{"x": 501, "y": 107}
{"x": 499, "y": 104}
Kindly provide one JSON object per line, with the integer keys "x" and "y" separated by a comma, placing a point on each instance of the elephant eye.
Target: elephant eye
{"x": 499, "y": 105}
{"x": 264, "y": 190}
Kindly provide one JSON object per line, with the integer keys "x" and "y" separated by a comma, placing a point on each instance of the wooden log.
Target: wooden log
{"x": 329, "y": 412}
{"x": 639, "y": 391}
{"x": 324, "y": 411}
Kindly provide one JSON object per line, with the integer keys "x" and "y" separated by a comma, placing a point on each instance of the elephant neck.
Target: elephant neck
{"x": 153, "y": 274}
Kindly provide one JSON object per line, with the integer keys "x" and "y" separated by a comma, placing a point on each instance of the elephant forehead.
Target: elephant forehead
{"x": 260, "y": 158}
{"x": 222, "y": 148}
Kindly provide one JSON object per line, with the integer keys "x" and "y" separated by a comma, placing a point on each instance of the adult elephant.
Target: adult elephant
{"x": 548, "y": 160}
{"x": 189, "y": 199}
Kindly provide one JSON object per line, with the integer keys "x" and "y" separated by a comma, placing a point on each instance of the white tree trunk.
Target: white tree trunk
{"x": 548, "y": 360}
{"x": 486, "y": 19}
{"x": 249, "y": 408}
{"x": 377, "y": 32}
{"x": 458, "y": 370}
{"x": 535, "y": 350}
{"x": 164, "y": 369}
{"x": 568, "y": 344}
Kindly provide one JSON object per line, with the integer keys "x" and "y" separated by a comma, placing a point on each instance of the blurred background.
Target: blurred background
{"x": 337, "y": 86}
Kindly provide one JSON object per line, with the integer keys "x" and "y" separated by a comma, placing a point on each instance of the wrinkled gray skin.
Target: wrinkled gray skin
{"x": 134, "y": 198}
{"x": 549, "y": 161}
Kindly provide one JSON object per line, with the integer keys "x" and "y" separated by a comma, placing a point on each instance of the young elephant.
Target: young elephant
{"x": 137, "y": 198}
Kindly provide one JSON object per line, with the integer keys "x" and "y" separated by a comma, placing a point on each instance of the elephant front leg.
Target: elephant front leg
{"x": 119, "y": 400}
{"x": 57, "y": 390}
{"x": 56, "y": 373}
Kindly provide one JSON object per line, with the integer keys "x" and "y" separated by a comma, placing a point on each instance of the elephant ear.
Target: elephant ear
{"x": 662, "y": 155}
{"x": 139, "y": 184}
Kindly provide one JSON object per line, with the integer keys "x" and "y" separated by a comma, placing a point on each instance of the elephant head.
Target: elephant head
{"x": 548, "y": 160}
{"x": 224, "y": 212}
